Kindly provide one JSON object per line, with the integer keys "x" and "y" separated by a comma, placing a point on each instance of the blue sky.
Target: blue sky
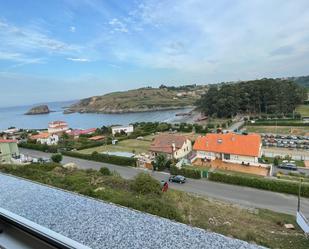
{"x": 69, "y": 49}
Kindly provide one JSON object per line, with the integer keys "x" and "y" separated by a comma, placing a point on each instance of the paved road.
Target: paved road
{"x": 244, "y": 196}
{"x": 236, "y": 126}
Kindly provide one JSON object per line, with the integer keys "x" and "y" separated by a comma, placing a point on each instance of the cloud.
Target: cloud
{"x": 28, "y": 41}
{"x": 118, "y": 26}
{"x": 78, "y": 59}
{"x": 72, "y": 29}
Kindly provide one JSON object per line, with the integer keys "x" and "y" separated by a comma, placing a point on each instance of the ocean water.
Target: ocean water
{"x": 14, "y": 116}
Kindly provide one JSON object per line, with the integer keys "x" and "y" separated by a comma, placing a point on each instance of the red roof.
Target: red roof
{"x": 230, "y": 143}
{"x": 95, "y": 138}
{"x": 78, "y": 132}
{"x": 39, "y": 136}
{"x": 164, "y": 143}
{"x": 8, "y": 141}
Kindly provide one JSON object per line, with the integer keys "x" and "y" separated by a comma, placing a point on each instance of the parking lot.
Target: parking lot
{"x": 283, "y": 141}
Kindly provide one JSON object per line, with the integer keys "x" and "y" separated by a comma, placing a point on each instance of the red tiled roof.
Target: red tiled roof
{"x": 95, "y": 138}
{"x": 8, "y": 141}
{"x": 78, "y": 132}
{"x": 163, "y": 143}
{"x": 230, "y": 143}
{"x": 41, "y": 135}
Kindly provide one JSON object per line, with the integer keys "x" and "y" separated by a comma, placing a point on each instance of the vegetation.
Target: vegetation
{"x": 143, "y": 99}
{"x": 190, "y": 173}
{"x": 146, "y": 185}
{"x": 161, "y": 162}
{"x": 260, "y": 226}
{"x": 104, "y": 158}
{"x": 258, "y": 96}
{"x": 40, "y": 147}
{"x": 56, "y": 158}
{"x": 260, "y": 183}
{"x": 303, "y": 110}
{"x": 105, "y": 171}
{"x": 300, "y": 130}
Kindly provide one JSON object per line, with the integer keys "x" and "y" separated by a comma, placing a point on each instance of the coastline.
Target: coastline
{"x": 122, "y": 111}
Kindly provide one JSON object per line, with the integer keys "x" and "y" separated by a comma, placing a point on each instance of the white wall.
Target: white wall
{"x": 205, "y": 154}
{"x": 184, "y": 150}
{"x": 126, "y": 129}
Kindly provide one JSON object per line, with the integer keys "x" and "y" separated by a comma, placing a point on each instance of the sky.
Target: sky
{"x": 69, "y": 49}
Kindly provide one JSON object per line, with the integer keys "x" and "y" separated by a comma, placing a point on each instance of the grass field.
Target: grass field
{"x": 259, "y": 226}
{"x": 128, "y": 145}
{"x": 303, "y": 110}
{"x": 278, "y": 130}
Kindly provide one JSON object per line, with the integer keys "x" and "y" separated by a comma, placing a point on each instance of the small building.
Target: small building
{"x": 57, "y": 127}
{"x": 8, "y": 150}
{"x": 231, "y": 147}
{"x": 126, "y": 129}
{"x": 173, "y": 146}
{"x": 46, "y": 138}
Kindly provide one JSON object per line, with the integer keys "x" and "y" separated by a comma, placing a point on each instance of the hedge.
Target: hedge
{"x": 104, "y": 158}
{"x": 190, "y": 173}
{"x": 279, "y": 123}
{"x": 40, "y": 147}
{"x": 281, "y": 186}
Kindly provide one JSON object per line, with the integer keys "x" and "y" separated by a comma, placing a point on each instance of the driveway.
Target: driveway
{"x": 244, "y": 196}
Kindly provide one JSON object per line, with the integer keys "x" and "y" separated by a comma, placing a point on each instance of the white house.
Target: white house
{"x": 57, "y": 127}
{"x": 174, "y": 146}
{"x": 127, "y": 129}
{"x": 46, "y": 138}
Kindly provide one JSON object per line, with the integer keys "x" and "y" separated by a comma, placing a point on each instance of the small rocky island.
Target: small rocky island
{"x": 41, "y": 109}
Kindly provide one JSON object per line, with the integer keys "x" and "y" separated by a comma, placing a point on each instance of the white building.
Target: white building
{"x": 46, "y": 138}
{"x": 127, "y": 129}
{"x": 57, "y": 127}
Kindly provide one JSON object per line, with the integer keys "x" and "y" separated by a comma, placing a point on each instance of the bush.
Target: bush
{"x": 56, "y": 158}
{"x": 104, "y": 158}
{"x": 105, "y": 171}
{"x": 281, "y": 186}
{"x": 40, "y": 147}
{"x": 190, "y": 173}
{"x": 145, "y": 184}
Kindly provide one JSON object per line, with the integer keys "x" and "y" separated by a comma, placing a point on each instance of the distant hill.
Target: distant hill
{"x": 301, "y": 80}
{"x": 140, "y": 100}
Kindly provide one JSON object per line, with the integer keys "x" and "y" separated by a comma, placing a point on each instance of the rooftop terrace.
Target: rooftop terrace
{"x": 99, "y": 224}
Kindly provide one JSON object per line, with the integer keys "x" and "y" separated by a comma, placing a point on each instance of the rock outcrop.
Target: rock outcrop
{"x": 41, "y": 109}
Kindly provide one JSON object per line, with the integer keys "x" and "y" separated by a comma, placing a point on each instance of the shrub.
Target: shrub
{"x": 40, "y": 147}
{"x": 261, "y": 183}
{"x": 145, "y": 184}
{"x": 56, "y": 158}
{"x": 105, "y": 171}
{"x": 190, "y": 173}
{"x": 104, "y": 158}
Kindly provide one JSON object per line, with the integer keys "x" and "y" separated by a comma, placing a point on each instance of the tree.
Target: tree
{"x": 276, "y": 161}
{"x": 56, "y": 158}
{"x": 160, "y": 163}
{"x": 145, "y": 184}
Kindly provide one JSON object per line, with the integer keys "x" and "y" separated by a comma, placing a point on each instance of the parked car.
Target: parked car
{"x": 288, "y": 166}
{"x": 178, "y": 179}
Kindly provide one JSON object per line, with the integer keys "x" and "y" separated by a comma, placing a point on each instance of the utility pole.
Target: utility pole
{"x": 299, "y": 189}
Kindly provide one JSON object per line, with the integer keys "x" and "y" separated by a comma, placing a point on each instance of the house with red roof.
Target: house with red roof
{"x": 57, "y": 127}
{"x": 77, "y": 132}
{"x": 229, "y": 147}
{"x": 45, "y": 138}
{"x": 173, "y": 146}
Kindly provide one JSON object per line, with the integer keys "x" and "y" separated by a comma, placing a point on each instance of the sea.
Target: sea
{"x": 14, "y": 116}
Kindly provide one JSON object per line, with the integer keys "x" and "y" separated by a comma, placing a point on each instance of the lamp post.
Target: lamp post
{"x": 299, "y": 189}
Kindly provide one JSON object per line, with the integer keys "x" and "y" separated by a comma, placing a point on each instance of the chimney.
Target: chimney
{"x": 173, "y": 146}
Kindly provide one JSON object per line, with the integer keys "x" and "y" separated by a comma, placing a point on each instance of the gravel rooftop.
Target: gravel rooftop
{"x": 98, "y": 224}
